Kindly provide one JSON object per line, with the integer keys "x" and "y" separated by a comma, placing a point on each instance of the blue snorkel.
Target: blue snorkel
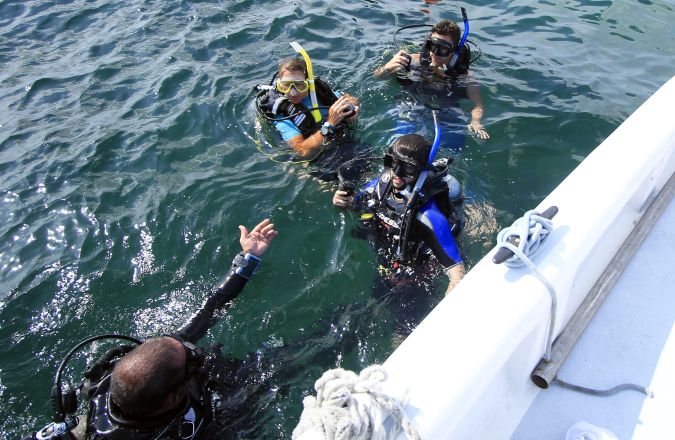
{"x": 414, "y": 197}
{"x": 430, "y": 159}
{"x": 453, "y": 61}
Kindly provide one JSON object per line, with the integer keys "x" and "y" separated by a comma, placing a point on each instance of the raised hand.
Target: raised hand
{"x": 257, "y": 241}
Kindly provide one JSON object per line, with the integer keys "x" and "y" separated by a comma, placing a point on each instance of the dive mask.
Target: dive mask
{"x": 439, "y": 47}
{"x": 401, "y": 167}
{"x": 285, "y": 86}
{"x": 194, "y": 356}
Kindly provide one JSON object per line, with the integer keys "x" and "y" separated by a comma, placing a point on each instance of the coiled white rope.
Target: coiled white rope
{"x": 531, "y": 230}
{"x": 351, "y": 407}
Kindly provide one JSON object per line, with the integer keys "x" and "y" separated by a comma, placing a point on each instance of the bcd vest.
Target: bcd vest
{"x": 187, "y": 421}
{"x": 271, "y": 104}
{"x": 391, "y": 214}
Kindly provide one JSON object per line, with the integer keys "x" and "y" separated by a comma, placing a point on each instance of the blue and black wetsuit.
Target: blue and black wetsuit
{"x": 433, "y": 230}
{"x": 407, "y": 282}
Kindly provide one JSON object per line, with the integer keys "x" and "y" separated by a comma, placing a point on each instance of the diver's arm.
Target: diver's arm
{"x": 219, "y": 300}
{"x": 455, "y": 275}
{"x": 433, "y": 227}
{"x": 307, "y": 147}
{"x": 473, "y": 92}
{"x": 398, "y": 62}
{"x": 254, "y": 243}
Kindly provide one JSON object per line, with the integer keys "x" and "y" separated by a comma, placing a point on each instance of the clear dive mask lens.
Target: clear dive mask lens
{"x": 285, "y": 86}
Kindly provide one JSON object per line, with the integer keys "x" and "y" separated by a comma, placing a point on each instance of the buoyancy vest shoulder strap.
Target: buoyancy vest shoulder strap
{"x": 324, "y": 93}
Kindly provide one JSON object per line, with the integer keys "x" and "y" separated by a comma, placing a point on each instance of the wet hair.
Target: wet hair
{"x": 447, "y": 27}
{"x": 145, "y": 376}
{"x": 293, "y": 64}
{"x": 412, "y": 147}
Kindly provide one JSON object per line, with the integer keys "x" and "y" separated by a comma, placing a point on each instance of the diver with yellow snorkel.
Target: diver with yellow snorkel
{"x": 307, "y": 113}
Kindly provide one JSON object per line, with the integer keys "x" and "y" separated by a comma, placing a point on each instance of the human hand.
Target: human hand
{"x": 340, "y": 110}
{"x": 342, "y": 199}
{"x": 477, "y": 127}
{"x": 257, "y": 241}
{"x": 400, "y": 61}
{"x": 355, "y": 108}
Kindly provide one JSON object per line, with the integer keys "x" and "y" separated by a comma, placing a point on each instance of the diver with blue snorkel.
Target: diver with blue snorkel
{"x": 411, "y": 215}
{"x": 439, "y": 77}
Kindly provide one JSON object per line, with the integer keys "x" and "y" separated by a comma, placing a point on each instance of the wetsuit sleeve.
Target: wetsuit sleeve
{"x": 287, "y": 129}
{"x": 359, "y": 204}
{"x": 219, "y": 300}
{"x": 435, "y": 229}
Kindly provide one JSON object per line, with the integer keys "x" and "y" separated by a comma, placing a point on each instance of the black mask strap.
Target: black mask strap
{"x": 194, "y": 356}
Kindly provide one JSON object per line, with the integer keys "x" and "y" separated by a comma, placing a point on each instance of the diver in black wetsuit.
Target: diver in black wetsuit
{"x": 157, "y": 389}
{"x": 439, "y": 77}
{"x": 407, "y": 235}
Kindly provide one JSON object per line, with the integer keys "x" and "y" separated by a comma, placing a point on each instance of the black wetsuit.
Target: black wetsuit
{"x": 423, "y": 91}
{"x": 193, "y": 417}
{"x": 205, "y": 317}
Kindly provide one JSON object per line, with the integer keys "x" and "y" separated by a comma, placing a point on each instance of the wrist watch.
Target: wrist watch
{"x": 326, "y": 128}
{"x": 245, "y": 265}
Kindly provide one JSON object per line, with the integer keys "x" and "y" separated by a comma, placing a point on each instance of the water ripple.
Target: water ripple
{"x": 128, "y": 158}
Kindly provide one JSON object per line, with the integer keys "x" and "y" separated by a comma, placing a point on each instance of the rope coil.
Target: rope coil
{"x": 529, "y": 232}
{"x": 351, "y": 407}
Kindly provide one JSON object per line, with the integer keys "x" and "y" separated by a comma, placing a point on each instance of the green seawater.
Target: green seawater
{"x": 128, "y": 157}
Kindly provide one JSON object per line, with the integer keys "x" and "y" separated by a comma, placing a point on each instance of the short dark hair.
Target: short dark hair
{"x": 447, "y": 27}
{"x": 412, "y": 147}
{"x": 145, "y": 376}
{"x": 293, "y": 64}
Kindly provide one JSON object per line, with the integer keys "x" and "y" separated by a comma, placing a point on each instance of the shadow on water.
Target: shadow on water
{"x": 128, "y": 159}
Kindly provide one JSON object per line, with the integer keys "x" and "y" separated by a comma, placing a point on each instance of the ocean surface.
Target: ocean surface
{"x": 129, "y": 154}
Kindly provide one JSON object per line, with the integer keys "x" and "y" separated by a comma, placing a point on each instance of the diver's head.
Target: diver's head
{"x": 443, "y": 41}
{"x": 406, "y": 158}
{"x": 292, "y": 80}
{"x": 150, "y": 379}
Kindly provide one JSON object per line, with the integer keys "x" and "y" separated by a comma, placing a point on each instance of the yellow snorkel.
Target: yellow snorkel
{"x": 310, "y": 79}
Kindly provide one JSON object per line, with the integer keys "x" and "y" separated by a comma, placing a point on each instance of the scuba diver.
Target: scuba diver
{"x": 156, "y": 389}
{"x": 439, "y": 76}
{"x": 409, "y": 213}
{"x": 313, "y": 120}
